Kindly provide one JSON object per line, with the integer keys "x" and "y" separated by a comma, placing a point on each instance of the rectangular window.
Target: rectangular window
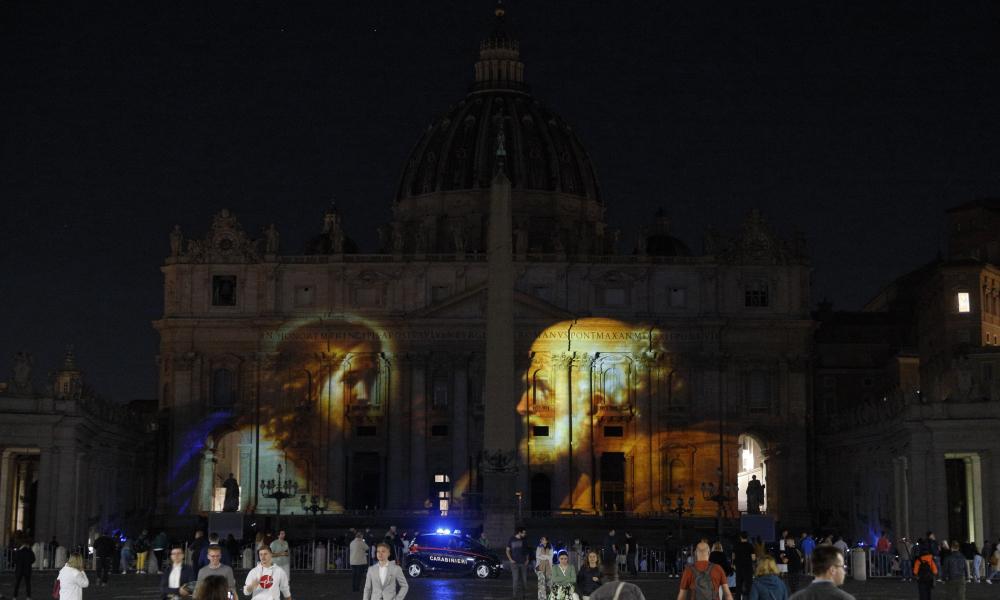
{"x": 305, "y": 295}
{"x": 613, "y": 297}
{"x": 540, "y": 431}
{"x": 759, "y": 392}
{"x": 755, "y": 294}
{"x": 366, "y": 430}
{"x": 678, "y": 297}
{"x": 963, "y": 302}
{"x": 987, "y": 372}
{"x": 367, "y": 297}
{"x": 224, "y": 290}
{"x": 614, "y": 431}
{"x": 440, "y": 397}
{"x": 439, "y": 430}
{"x": 439, "y": 293}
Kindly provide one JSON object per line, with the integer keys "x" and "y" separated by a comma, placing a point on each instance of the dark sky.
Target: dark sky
{"x": 857, "y": 123}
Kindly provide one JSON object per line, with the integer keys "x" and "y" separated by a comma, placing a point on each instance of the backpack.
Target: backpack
{"x": 56, "y": 590}
{"x": 924, "y": 573}
{"x": 703, "y": 589}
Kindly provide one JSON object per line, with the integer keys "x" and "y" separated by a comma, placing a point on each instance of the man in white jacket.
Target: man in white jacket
{"x": 267, "y": 581}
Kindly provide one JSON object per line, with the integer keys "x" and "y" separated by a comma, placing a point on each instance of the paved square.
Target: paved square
{"x": 337, "y": 586}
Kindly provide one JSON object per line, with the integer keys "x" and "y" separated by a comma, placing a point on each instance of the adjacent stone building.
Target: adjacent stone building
{"x": 639, "y": 374}
{"x": 907, "y": 404}
{"x": 71, "y": 463}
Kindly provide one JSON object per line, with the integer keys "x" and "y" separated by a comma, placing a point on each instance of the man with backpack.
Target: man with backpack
{"x": 926, "y": 571}
{"x": 703, "y": 578}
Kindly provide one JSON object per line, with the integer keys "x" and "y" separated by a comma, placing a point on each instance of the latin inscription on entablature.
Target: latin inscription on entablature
{"x": 340, "y": 333}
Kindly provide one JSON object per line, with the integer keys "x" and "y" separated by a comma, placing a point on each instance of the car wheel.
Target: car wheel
{"x": 415, "y": 569}
{"x": 482, "y": 570}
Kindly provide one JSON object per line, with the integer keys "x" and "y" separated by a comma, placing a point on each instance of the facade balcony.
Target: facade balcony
{"x": 608, "y": 412}
{"x": 543, "y": 409}
{"x": 363, "y": 411}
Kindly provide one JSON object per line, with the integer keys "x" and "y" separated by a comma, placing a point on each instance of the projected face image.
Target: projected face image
{"x": 594, "y": 401}
{"x": 314, "y": 372}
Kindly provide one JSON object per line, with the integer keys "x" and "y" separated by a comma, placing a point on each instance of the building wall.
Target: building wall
{"x": 343, "y": 360}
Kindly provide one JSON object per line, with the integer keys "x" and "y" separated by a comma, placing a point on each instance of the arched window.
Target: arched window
{"x": 678, "y": 474}
{"x": 223, "y": 388}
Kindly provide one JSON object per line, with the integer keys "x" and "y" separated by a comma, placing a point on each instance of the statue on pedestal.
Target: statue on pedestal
{"x": 176, "y": 241}
{"x": 272, "y": 238}
{"x": 755, "y": 495}
{"x": 231, "y": 503}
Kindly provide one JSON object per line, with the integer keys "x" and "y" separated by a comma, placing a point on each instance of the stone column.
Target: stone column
{"x": 562, "y": 481}
{"x": 901, "y": 495}
{"x": 396, "y": 485}
{"x": 49, "y": 494}
{"x": 336, "y": 453}
{"x": 583, "y": 438}
{"x": 460, "y": 431}
{"x": 419, "y": 485}
{"x": 206, "y": 485}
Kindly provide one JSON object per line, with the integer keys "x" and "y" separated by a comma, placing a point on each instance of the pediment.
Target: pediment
{"x": 471, "y": 304}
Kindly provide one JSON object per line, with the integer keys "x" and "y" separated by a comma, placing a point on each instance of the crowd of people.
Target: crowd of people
{"x": 744, "y": 569}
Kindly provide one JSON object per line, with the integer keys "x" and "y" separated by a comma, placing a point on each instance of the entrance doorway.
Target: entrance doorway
{"x": 541, "y": 494}
{"x": 227, "y": 463}
{"x": 366, "y": 481}
{"x": 613, "y": 482}
{"x": 24, "y": 494}
{"x": 751, "y": 466}
{"x": 963, "y": 486}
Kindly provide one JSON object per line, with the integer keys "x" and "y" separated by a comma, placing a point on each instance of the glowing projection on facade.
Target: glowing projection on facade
{"x": 605, "y": 407}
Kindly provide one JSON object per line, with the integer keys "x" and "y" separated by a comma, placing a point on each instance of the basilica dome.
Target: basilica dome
{"x": 445, "y": 181}
{"x": 458, "y": 150}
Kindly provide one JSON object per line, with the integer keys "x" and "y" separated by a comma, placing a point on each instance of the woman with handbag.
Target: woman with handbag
{"x": 543, "y": 567}
{"x": 72, "y": 579}
{"x": 563, "y": 579}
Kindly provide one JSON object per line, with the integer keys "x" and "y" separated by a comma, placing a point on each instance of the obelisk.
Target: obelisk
{"x": 499, "y": 459}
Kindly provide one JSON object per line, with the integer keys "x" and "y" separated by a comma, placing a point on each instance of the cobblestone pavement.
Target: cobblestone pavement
{"x": 307, "y": 586}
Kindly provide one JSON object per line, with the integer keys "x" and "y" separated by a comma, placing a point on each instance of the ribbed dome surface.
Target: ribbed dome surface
{"x": 458, "y": 151}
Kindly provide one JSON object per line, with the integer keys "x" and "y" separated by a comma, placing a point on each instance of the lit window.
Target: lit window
{"x": 747, "y": 459}
{"x": 756, "y": 294}
{"x": 963, "y": 302}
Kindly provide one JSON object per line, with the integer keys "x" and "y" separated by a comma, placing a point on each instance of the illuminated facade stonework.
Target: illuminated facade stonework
{"x": 634, "y": 374}
{"x": 908, "y": 396}
{"x": 71, "y": 463}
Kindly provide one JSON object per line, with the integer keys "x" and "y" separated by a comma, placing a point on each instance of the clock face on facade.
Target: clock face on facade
{"x": 225, "y": 244}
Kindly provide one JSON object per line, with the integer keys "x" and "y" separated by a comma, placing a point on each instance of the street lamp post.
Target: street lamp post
{"x": 722, "y": 494}
{"x": 680, "y": 510}
{"x": 279, "y": 489}
{"x": 313, "y": 505}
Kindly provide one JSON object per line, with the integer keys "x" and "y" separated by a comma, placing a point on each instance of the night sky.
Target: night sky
{"x": 857, "y": 123}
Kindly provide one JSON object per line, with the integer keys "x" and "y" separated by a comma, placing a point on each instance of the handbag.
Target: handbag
{"x": 55, "y": 590}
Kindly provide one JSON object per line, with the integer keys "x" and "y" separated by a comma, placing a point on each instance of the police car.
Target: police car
{"x": 448, "y": 552}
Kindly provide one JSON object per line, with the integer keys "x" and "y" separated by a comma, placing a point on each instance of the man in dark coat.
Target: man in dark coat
{"x": 23, "y": 559}
{"x": 104, "y": 550}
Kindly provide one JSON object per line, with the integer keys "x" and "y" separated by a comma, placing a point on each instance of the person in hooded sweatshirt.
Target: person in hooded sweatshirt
{"x": 767, "y": 584}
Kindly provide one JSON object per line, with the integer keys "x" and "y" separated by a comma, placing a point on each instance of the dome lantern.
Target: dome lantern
{"x": 499, "y": 66}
